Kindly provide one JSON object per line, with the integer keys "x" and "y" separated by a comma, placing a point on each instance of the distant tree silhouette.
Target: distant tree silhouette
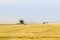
{"x": 21, "y": 21}
{"x": 45, "y": 22}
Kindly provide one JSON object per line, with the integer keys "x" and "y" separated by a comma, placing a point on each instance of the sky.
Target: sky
{"x": 29, "y": 10}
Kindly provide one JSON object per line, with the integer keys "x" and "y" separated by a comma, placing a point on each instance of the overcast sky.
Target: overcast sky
{"x": 30, "y": 10}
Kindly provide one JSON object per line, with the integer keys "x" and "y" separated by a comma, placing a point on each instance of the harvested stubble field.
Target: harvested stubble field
{"x": 30, "y": 32}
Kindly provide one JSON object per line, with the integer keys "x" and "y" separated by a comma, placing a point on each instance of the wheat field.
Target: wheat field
{"x": 30, "y": 32}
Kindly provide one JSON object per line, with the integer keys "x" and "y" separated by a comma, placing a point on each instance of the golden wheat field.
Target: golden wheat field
{"x": 30, "y": 32}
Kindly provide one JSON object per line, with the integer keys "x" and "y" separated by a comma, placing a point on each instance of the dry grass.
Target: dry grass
{"x": 30, "y": 32}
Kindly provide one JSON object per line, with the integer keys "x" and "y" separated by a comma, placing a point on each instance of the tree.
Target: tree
{"x": 21, "y": 21}
{"x": 45, "y": 22}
